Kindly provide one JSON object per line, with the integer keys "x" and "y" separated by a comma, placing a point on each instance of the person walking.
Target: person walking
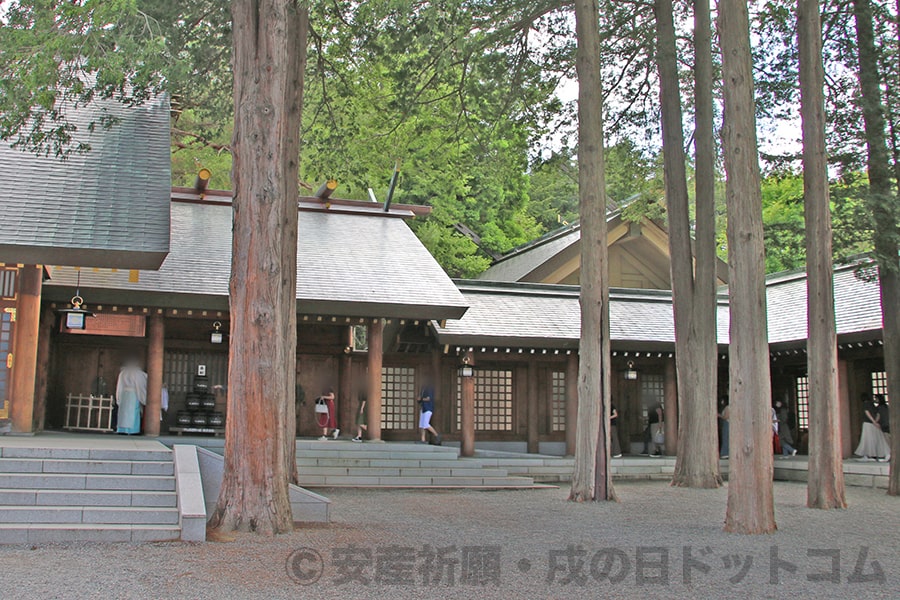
{"x": 426, "y": 408}
{"x": 724, "y": 424}
{"x": 884, "y": 419}
{"x": 654, "y": 425}
{"x": 330, "y": 422}
{"x": 361, "y": 422}
{"x": 783, "y": 429}
{"x": 614, "y": 446}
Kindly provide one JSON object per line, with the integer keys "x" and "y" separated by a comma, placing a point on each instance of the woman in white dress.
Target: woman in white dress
{"x": 871, "y": 442}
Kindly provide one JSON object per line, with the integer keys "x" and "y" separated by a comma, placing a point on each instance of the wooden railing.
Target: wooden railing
{"x": 89, "y": 413}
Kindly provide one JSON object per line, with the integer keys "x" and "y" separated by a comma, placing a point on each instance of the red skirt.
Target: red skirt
{"x": 332, "y": 415}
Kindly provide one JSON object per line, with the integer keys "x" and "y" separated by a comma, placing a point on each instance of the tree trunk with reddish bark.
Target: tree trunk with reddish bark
{"x": 269, "y": 61}
{"x": 883, "y": 206}
{"x": 751, "y": 507}
{"x": 825, "y": 485}
{"x": 693, "y": 286}
{"x": 592, "y": 478}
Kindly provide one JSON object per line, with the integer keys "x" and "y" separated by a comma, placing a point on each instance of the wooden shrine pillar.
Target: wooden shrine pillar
{"x": 25, "y": 348}
{"x": 442, "y": 424}
{"x": 571, "y": 402}
{"x": 844, "y": 408}
{"x": 48, "y": 320}
{"x": 155, "y": 352}
{"x": 373, "y": 378}
{"x": 533, "y": 423}
{"x": 467, "y": 416}
{"x": 670, "y": 408}
{"x": 347, "y": 405}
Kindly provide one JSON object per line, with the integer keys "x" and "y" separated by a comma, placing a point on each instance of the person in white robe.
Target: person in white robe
{"x": 131, "y": 397}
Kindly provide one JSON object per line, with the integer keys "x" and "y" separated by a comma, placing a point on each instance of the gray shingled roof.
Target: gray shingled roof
{"x": 539, "y": 315}
{"x": 525, "y": 260}
{"x": 857, "y": 305}
{"x": 548, "y": 316}
{"x": 364, "y": 265}
{"x": 108, "y": 207}
{"x": 518, "y": 263}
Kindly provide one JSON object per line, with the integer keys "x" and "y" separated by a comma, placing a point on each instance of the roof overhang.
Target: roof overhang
{"x": 80, "y": 257}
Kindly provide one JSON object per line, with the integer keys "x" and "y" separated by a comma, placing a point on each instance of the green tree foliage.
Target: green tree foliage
{"x": 634, "y": 182}
{"x": 55, "y": 53}
{"x": 553, "y": 191}
{"x": 459, "y": 93}
{"x": 454, "y": 101}
{"x": 784, "y": 226}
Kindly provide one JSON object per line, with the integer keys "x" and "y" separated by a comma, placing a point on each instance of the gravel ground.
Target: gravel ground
{"x": 632, "y": 549}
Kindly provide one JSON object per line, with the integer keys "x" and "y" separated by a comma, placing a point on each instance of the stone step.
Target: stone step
{"x": 163, "y": 454}
{"x": 367, "y": 447}
{"x": 401, "y": 463}
{"x": 483, "y": 482}
{"x": 43, "y": 533}
{"x": 339, "y": 464}
{"x": 79, "y": 466}
{"x": 556, "y": 470}
{"x": 41, "y": 497}
{"x": 455, "y": 471}
{"x": 100, "y": 515}
{"x": 72, "y": 481}
{"x": 393, "y": 463}
{"x": 376, "y": 455}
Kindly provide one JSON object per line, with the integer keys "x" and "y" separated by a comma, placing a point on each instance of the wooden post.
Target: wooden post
{"x": 25, "y": 349}
{"x": 155, "y": 352}
{"x": 442, "y": 423}
{"x": 48, "y": 320}
{"x": 670, "y": 411}
{"x": 533, "y": 423}
{"x": 571, "y": 402}
{"x": 373, "y": 403}
{"x": 467, "y": 419}
{"x": 844, "y": 408}
{"x": 347, "y": 405}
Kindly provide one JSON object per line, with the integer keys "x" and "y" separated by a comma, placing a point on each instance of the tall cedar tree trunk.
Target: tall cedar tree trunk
{"x": 694, "y": 296}
{"x": 894, "y": 415}
{"x": 825, "y": 486}
{"x": 751, "y": 506}
{"x": 269, "y": 60}
{"x": 592, "y": 478}
{"x": 884, "y": 215}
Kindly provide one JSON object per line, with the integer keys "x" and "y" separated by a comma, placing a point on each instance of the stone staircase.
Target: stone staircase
{"x": 59, "y": 494}
{"x": 558, "y": 469}
{"x": 541, "y": 468}
{"x": 397, "y": 465}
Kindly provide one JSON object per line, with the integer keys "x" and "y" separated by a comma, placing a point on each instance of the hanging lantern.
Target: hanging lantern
{"x": 465, "y": 369}
{"x": 630, "y": 373}
{"x": 216, "y": 336}
{"x": 76, "y": 316}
